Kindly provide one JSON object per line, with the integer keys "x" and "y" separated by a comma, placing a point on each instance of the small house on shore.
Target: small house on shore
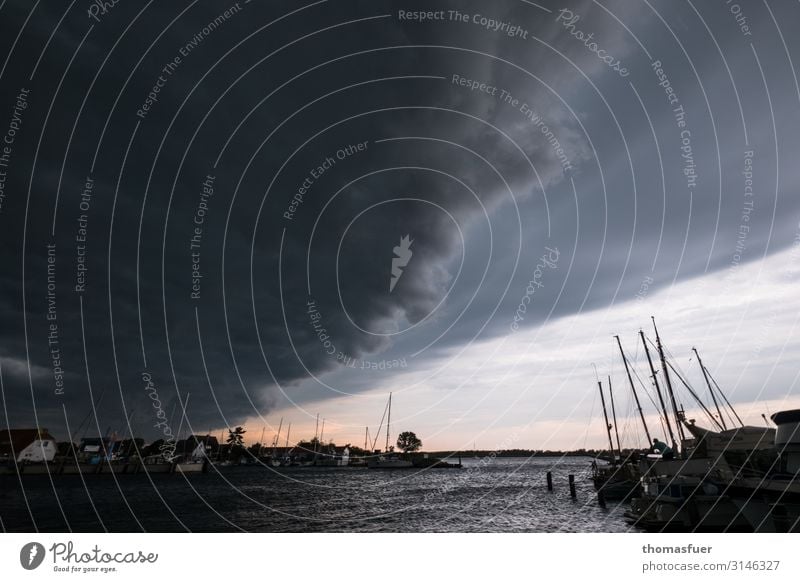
{"x": 29, "y": 445}
{"x": 197, "y": 448}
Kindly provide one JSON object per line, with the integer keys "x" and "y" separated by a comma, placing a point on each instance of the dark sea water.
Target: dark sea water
{"x": 504, "y": 495}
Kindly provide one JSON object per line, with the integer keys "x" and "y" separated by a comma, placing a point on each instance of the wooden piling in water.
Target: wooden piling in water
{"x": 549, "y": 481}
{"x": 601, "y": 498}
{"x": 572, "y": 486}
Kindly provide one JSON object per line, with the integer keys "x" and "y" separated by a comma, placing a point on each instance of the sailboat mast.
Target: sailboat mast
{"x": 277, "y": 438}
{"x": 658, "y": 389}
{"x": 710, "y": 389}
{"x": 614, "y": 416}
{"x": 633, "y": 389}
{"x": 261, "y": 441}
{"x": 388, "y": 422}
{"x": 608, "y": 426}
{"x": 678, "y": 415}
{"x": 288, "y": 430}
{"x": 725, "y": 398}
{"x": 183, "y": 413}
{"x": 316, "y": 433}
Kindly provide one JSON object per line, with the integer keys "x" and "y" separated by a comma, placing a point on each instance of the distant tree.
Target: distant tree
{"x": 236, "y": 436}
{"x": 408, "y": 442}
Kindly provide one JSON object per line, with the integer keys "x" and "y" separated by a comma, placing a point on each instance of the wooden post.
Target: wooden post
{"x": 549, "y": 481}
{"x": 601, "y": 498}
{"x": 572, "y": 486}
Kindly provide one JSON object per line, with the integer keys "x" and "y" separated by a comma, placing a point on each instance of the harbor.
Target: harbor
{"x": 713, "y": 474}
{"x": 28, "y": 452}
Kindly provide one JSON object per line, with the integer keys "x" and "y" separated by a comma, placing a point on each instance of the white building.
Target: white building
{"x": 27, "y": 445}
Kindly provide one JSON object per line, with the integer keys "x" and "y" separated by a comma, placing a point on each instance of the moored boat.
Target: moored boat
{"x": 741, "y": 479}
{"x": 391, "y": 461}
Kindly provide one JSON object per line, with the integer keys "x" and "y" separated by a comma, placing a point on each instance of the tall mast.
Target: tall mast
{"x": 614, "y": 416}
{"x": 183, "y": 414}
{"x": 261, "y": 442}
{"x": 388, "y": 422}
{"x": 277, "y": 438}
{"x": 694, "y": 395}
{"x": 366, "y": 437}
{"x": 316, "y": 437}
{"x": 678, "y": 415}
{"x": 608, "y": 426}
{"x": 288, "y": 429}
{"x": 710, "y": 389}
{"x": 725, "y": 398}
{"x": 633, "y": 389}
{"x": 658, "y": 389}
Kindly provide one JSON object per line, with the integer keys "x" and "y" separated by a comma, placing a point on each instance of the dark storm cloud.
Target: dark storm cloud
{"x": 255, "y": 319}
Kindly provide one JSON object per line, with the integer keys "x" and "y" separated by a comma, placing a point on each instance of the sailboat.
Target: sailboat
{"x": 619, "y": 480}
{"x": 390, "y": 459}
{"x": 273, "y": 459}
{"x": 737, "y": 479}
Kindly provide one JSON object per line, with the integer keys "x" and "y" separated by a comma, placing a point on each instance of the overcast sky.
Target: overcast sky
{"x": 202, "y": 203}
